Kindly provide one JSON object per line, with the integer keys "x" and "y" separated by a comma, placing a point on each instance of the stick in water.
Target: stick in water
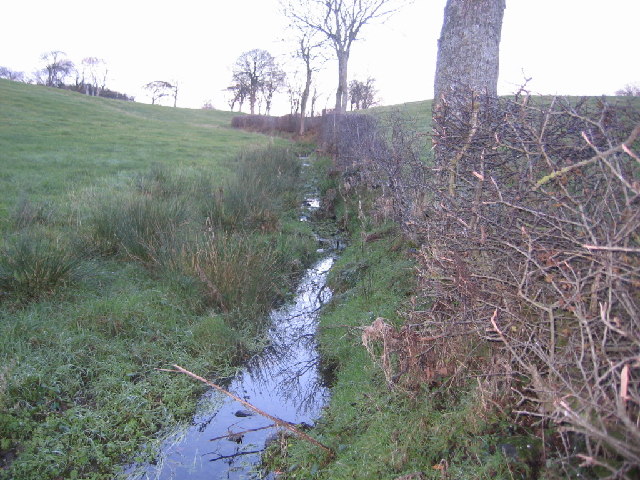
{"x": 276, "y": 420}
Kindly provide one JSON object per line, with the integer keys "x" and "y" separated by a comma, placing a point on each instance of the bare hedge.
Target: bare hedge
{"x": 534, "y": 242}
{"x": 270, "y": 124}
{"x": 529, "y": 226}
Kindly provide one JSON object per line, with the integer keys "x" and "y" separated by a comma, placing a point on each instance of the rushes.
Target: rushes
{"x": 139, "y": 227}
{"x": 32, "y": 265}
{"x": 226, "y": 236}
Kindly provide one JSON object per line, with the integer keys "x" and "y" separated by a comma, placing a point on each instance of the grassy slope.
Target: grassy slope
{"x": 53, "y": 141}
{"x": 79, "y": 389}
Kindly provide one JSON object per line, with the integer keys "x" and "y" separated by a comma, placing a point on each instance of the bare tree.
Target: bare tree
{"x": 309, "y": 52}
{"x": 629, "y": 90}
{"x": 362, "y": 95}
{"x": 10, "y": 74}
{"x": 314, "y": 99}
{"x": 158, "y": 89}
{"x": 238, "y": 94}
{"x": 57, "y": 68}
{"x": 175, "y": 94}
{"x": 294, "y": 93}
{"x": 256, "y": 72}
{"x": 94, "y": 75}
{"x": 340, "y": 21}
{"x": 274, "y": 79}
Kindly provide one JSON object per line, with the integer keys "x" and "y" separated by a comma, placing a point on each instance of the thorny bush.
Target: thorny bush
{"x": 528, "y": 222}
{"x": 533, "y": 242}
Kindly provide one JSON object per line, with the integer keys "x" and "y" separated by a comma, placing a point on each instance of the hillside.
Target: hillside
{"x": 53, "y": 141}
{"x": 134, "y": 237}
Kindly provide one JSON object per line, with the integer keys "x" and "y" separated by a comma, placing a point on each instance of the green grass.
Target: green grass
{"x": 418, "y": 113}
{"x": 54, "y": 141}
{"x": 106, "y": 207}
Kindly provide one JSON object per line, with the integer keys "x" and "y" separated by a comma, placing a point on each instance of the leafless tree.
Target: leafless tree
{"x": 629, "y": 90}
{"x": 314, "y": 99}
{"x": 57, "y": 68}
{"x": 274, "y": 79}
{"x": 238, "y": 93}
{"x": 340, "y": 21}
{"x": 10, "y": 74}
{"x": 175, "y": 94}
{"x": 309, "y": 51}
{"x": 362, "y": 95}
{"x": 159, "y": 89}
{"x": 256, "y": 72}
{"x": 93, "y": 75}
{"x": 294, "y": 93}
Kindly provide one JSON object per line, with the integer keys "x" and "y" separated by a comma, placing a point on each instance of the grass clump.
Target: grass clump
{"x": 33, "y": 266}
{"x": 248, "y": 273}
{"x": 138, "y": 227}
{"x": 260, "y": 188}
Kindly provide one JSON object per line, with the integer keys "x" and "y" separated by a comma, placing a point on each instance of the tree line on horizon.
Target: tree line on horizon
{"x": 58, "y": 71}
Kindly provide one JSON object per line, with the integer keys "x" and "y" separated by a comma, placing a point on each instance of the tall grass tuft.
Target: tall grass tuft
{"x": 237, "y": 271}
{"x": 26, "y": 213}
{"x": 33, "y": 266}
{"x": 259, "y": 192}
{"x": 248, "y": 274}
{"x": 139, "y": 227}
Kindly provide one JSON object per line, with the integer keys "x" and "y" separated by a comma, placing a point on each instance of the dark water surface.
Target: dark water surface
{"x": 283, "y": 381}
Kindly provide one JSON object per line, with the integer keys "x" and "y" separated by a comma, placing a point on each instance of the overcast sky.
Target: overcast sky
{"x": 577, "y": 47}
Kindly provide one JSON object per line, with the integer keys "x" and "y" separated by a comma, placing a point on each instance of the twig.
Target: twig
{"x": 611, "y": 249}
{"x": 625, "y": 146}
{"x": 276, "y": 420}
{"x": 234, "y": 455}
{"x": 236, "y": 434}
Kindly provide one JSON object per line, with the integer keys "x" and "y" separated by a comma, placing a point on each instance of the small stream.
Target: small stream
{"x": 283, "y": 380}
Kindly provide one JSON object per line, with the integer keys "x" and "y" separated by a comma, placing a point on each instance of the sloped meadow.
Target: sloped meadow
{"x": 134, "y": 238}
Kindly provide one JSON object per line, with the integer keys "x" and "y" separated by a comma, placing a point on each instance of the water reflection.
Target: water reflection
{"x": 283, "y": 381}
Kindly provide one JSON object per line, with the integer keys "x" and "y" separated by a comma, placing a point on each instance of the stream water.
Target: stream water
{"x": 225, "y": 440}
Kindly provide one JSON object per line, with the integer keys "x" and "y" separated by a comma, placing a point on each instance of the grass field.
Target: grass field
{"x": 54, "y": 141}
{"x": 124, "y": 251}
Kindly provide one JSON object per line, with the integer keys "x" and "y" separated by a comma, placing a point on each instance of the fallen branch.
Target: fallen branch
{"x": 240, "y": 434}
{"x": 276, "y": 420}
{"x": 237, "y": 454}
{"x": 611, "y": 249}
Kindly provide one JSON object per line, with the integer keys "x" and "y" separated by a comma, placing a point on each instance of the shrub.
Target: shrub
{"x": 259, "y": 193}
{"x": 533, "y": 245}
{"x": 32, "y": 266}
{"x": 247, "y": 273}
{"x": 140, "y": 227}
{"x": 529, "y": 262}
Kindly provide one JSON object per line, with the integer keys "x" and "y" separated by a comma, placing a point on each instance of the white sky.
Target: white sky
{"x": 572, "y": 47}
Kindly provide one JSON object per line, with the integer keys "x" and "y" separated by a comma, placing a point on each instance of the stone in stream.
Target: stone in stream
{"x": 243, "y": 413}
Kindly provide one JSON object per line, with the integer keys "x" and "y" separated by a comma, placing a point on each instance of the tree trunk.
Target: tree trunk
{"x": 466, "y": 77}
{"x": 469, "y": 47}
{"x": 304, "y": 99}
{"x": 342, "y": 92}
